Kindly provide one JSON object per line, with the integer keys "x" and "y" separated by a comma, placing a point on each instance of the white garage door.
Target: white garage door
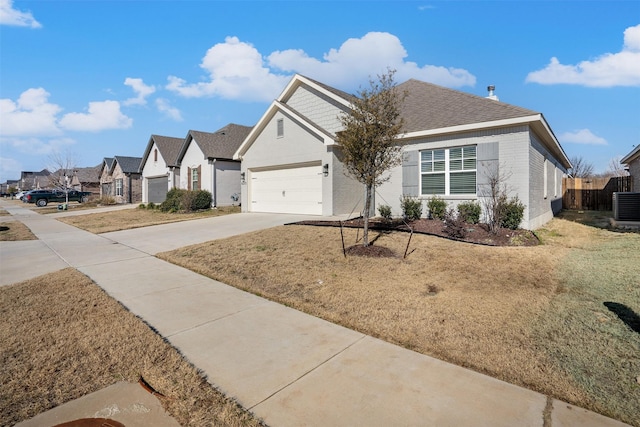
{"x": 291, "y": 190}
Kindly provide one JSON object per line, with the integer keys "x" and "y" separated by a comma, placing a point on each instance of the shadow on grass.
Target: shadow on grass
{"x": 628, "y": 316}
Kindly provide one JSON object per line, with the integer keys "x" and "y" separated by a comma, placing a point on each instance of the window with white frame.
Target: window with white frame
{"x": 195, "y": 179}
{"x": 448, "y": 171}
{"x": 119, "y": 191}
{"x": 280, "y": 128}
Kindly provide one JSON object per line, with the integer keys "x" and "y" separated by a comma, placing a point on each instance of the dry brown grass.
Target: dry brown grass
{"x": 63, "y": 337}
{"x": 14, "y": 231}
{"x": 3, "y": 212}
{"x": 134, "y": 218}
{"x": 491, "y": 309}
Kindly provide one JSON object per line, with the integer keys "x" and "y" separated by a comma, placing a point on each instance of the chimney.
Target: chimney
{"x": 492, "y": 95}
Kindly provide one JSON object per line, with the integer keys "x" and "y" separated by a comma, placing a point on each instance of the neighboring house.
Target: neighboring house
{"x": 206, "y": 163}
{"x": 87, "y": 179}
{"x": 33, "y": 180}
{"x": 454, "y": 140}
{"x": 127, "y": 180}
{"x": 160, "y": 168}
{"x": 632, "y": 161}
{"x": 106, "y": 180}
{"x": 120, "y": 178}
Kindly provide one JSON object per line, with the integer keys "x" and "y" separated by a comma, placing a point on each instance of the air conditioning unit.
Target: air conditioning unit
{"x": 626, "y": 206}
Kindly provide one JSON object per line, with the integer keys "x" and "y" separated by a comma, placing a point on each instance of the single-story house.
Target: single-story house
{"x": 86, "y": 179}
{"x": 453, "y": 142}
{"x": 206, "y": 163}
{"x": 122, "y": 180}
{"x": 632, "y": 162}
{"x": 33, "y": 180}
{"x": 160, "y": 168}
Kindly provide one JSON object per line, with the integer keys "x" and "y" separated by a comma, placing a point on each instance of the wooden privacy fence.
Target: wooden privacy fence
{"x": 594, "y": 194}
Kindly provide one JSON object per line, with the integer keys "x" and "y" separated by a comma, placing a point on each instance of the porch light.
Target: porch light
{"x": 242, "y": 176}
{"x": 325, "y": 169}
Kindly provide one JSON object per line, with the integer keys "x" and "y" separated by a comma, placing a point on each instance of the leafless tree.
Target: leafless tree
{"x": 615, "y": 168}
{"x": 494, "y": 193}
{"x": 581, "y": 168}
{"x": 63, "y": 167}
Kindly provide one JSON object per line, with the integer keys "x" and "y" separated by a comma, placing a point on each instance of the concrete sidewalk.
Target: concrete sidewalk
{"x": 289, "y": 368}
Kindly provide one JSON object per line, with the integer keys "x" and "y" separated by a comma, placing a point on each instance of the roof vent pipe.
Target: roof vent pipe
{"x": 492, "y": 95}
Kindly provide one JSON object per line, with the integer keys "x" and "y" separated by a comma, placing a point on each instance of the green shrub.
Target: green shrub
{"x": 437, "y": 207}
{"x": 142, "y": 206}
{"x": 201, "y": 200}
{"x": 151, "y": 206}
{"x": 513, "y": 212}
{"x": 411, "y": 207}
{"x": 469, "y": 212}
{"x": 173, "y": 201}
{"x": 385, "y": 212}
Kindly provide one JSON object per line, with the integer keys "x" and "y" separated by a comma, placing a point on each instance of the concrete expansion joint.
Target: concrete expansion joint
{"x": 546, "y": 414}
{"x": 324, "y": 362}
{"x": 208, "y": 322}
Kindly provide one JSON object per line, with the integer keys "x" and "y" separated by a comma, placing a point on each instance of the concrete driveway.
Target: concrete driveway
{"x": 167, "y": 237}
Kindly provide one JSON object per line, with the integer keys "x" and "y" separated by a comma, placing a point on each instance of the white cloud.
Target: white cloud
{"x": 11, "y": 16}
{"x": 31, "y": 114}
{"x": 38, "y": 146}
{"x": 142, "y": 91}
{"x": 582, "y": 136}
{"x": 608, "y": 70}
{"x": 101, "y": 116}
{"x": 238, "y": 71}
{"x": 165, "y": 107}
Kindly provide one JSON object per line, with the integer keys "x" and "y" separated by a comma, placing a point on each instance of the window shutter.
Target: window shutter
{"x": 410, "y": 173}
{"x": 188, "y": 178}
{"x": 199, "y": 178}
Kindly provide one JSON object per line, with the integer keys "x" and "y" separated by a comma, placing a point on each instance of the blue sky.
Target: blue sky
{"x": 94, "y": 79}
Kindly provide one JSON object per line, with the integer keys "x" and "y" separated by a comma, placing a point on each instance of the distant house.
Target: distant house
{"x": 120, "y": 178}
{"x": 453, "y": 142}
{"x": 106, "y": 180}
{"x": 632, "y": 161}
{"x": 160, "y": 168}
{"x": 87, "y": 179}
{"x": 33, "y": 180}
{"x": 206, "y": 163}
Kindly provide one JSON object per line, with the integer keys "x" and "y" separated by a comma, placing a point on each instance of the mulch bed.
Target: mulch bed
{"x": 473, "y": 233}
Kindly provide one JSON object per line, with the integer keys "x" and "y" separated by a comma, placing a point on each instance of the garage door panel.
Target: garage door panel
{"x": 290, "y": 190}
{"x": 157, "y": 189}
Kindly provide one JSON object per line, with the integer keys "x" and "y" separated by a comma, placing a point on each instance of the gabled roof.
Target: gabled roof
{"x": 168, "y": 146}
{"x": 127, "y": 164}
{"x": 428, "y": 110}
{"x": 429, "y": 106}
{"x": 635, "y": 153}
{"x": 220, "y": 144}
{"x": 88, "y": 175}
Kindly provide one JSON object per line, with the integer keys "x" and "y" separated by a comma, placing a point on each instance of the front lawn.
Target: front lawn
{"x": 546, "y": 317}
{"x": 134, "y": 218}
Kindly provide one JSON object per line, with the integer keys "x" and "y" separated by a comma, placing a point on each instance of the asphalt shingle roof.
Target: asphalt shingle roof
{"x": 169, "y": 148}
{"x": 129, "y": 164}
{"x": 223, "y": 143}
{"x": 429, "y": 106}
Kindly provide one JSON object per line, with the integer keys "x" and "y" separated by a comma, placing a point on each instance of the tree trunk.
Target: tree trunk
{"x": 367, "y": 210}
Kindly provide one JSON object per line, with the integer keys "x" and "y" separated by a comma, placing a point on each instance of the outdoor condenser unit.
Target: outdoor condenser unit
{"x": 626, "y": 206}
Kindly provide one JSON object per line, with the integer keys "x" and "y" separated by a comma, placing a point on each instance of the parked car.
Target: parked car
{"x": 43, "y": 197}
{"x": 20, "y": 194}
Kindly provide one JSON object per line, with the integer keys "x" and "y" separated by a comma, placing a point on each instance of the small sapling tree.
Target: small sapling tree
{"x": 370, "y": 138}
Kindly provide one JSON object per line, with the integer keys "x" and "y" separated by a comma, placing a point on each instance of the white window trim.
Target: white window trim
{"x": 194, "y": 172}
{"x": 119, "y": 187}
{"x": 447, "y": 174}
{"x": 280, "y": 128}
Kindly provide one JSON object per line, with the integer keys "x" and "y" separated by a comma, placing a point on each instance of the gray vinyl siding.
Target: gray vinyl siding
{"x": 634, "y": 171}
{"x": 317, "y": 107}
{"x": 345, "y": 192}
